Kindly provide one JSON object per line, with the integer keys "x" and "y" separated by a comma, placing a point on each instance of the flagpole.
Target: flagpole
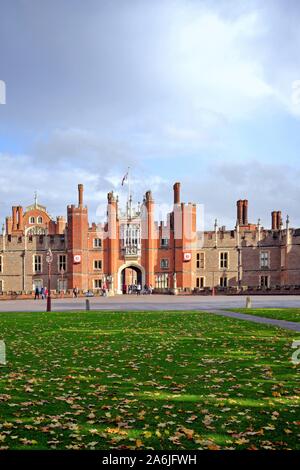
{"x": 128, "y": 184}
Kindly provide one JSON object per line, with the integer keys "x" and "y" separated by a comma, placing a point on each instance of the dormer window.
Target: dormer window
{"x": 164, "y": 243}
{"x": 97, "y": 242}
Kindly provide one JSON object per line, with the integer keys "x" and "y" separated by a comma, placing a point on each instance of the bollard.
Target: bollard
{"x": 2, "y": 353}
{"x": 248, "y": 302}
{"x": 87, "y": 304}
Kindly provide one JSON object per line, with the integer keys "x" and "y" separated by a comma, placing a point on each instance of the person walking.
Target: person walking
{"x": 36, "y": 293}
{"x": 104, "y": 289}
{"x": 138, "y": 289}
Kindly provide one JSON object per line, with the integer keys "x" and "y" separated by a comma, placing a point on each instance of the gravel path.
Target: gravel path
{"x": 289, "y": 325}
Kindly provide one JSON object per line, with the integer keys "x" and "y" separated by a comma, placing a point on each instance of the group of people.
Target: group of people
{"x": 89, "y": 293}
{"x": 40, "y": 292}
{"x": 137, "y": 289}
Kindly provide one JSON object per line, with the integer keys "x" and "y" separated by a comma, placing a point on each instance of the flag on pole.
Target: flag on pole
{"x": 125, "y": 178}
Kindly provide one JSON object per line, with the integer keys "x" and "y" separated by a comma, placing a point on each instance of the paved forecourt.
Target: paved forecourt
{"x": 152, "y": 302}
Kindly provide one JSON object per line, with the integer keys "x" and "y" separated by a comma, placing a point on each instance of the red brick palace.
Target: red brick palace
{"x": 131, "y": 247}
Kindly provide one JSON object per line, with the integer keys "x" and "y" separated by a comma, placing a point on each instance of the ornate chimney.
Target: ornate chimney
{"x": 176, "y": 190}
{"x": 80, "y": 195}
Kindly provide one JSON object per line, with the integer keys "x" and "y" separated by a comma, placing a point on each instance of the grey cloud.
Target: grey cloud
{"x": 93, "y": 87}
{"x": 102, "y": 63}
{"x": 268, "y": 187}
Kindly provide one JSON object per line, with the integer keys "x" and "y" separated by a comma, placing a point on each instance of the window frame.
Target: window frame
{"x": 264, "y": 259}
{"x": 94, "y": 265}
{"x": 164, "y": 242}
{"x": 224, "y": 263}
{"x": 34, "y": 263}
{"x": 164, "y": 263}
{"x": 97, "y": 242}
{"x": 223, "y": 282}
{"x": 162, "y": 281}
{"x": 200, "y": 280}
{"x": 59, "y": 262}
{"x": 268, "y": 278}
{"x": 97, "y": 281}
{"x": 200, "y": 260}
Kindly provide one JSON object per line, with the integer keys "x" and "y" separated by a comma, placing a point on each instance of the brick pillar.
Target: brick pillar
{"x": 176, "y": 190}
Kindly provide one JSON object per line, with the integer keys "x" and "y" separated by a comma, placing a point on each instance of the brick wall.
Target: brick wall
{"x": 242, "y": 246}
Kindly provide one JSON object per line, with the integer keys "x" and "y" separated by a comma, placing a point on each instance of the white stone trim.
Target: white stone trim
{"x": 130, "y": 264}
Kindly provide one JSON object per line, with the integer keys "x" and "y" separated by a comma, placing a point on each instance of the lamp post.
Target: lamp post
{"x": 62, "y": 271}
{"x": 49, "y": 259}
{"x": 110, "y": 280}
{"x": 213, "y": 291}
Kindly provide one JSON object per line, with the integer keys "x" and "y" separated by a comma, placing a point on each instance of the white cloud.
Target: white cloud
{"x": 215, "y": 64}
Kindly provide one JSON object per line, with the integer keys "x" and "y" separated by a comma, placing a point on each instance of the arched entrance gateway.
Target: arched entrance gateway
{"x": 130, "y": 273}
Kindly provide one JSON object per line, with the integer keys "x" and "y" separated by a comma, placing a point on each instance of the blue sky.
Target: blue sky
{"x": 205, "y": 92}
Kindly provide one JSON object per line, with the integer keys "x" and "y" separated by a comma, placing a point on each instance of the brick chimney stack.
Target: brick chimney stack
{"x": 8, "y": 225}
{"x": 242, "y": 212}
{"x": 279, "y": 220}
{"x": 80, "y": 195}
{"x": 239, "y": 205}
{"x": 245, "y": 212}
{"x": 176, "y": 190}
{"x": 20, "y": 218}
{"x": 14, "y": 218}
{"x": 276, "y": 220}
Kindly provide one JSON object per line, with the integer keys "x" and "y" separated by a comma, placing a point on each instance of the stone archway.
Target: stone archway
{"x": 140, "y": 274}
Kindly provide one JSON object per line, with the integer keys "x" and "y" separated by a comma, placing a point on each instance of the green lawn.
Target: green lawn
{"x": 162, "y": 380}
{"x": 289, "y": 314}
